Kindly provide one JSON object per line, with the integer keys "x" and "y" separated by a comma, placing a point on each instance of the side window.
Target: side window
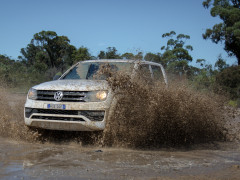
{"x": 145, "y": 71}
{"x": 157, "y": 73}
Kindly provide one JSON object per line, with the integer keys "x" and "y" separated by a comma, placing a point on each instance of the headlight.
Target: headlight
{"x": 95, "y": 96}
{"x": 32, "y": 94}
{"x": 101, "y": 95}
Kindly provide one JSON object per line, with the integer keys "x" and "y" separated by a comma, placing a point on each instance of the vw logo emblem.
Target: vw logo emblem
{"x": 58, "y": 95}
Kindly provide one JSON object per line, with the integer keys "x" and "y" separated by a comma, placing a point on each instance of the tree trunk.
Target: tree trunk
{"x": 238, "y": 58}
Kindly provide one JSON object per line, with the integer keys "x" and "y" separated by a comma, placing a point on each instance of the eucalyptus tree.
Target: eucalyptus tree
{"x": 176, "y": 54}
{"x": 228, "y": 31}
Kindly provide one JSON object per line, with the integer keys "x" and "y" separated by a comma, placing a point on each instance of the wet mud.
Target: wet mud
{"x": 150, "y": 115}
{"x": 23, "y": 160}
{"x": 183, "y": 134}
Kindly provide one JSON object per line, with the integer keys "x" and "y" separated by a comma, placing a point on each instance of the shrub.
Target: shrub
{"x": 229, "y": 80}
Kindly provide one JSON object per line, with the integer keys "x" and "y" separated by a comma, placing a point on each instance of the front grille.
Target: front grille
{"x": 92, "y": 115}
{"x": 69, "y": 96}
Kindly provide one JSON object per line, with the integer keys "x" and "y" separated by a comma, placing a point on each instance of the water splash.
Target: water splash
{"x": 147, "y": 115}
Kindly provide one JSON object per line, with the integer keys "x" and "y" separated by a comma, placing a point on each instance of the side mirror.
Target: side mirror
{"x": 56, "y": 77}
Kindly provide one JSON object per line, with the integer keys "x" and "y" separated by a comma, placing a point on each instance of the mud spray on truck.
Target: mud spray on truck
{"x": 81, "y": 100}
{"x": 129, "y": 103}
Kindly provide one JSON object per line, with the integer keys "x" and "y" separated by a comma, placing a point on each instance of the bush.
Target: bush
{"x": 229, "y": 80}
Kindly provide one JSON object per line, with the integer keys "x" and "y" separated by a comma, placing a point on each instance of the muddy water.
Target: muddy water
{"x": 26, "y": 155}
{"x": 22, "y": 160}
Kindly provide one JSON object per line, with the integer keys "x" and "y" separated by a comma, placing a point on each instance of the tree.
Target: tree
{"x": 228, "y": 79}
{"x": 29, "y": 53}
{"x": 102, "y": 55}
{"x": 204, "y": 77}
{"x": 81, "y": 54}
{"x": 128, "y": 56}
{"x": 207, "y": 68}
{"x": 155, "y": 58}
{"x": 176, "y": 54}
{"x": 111, "y": 53}
{"x": 221, "y": 64}
{"x": 201, "y": 62}
{"x": 229, "y": 30}
{"x": 139, "y": 56}
{"x": 6, "y": 60}
{"x": 48, "y": 48}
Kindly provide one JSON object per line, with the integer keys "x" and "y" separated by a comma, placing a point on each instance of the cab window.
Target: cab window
{"x": 157, "y": 73}
{"x": 145, "y": 71}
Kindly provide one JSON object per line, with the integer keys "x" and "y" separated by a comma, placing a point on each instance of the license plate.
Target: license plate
{"x": 56, "y": 106}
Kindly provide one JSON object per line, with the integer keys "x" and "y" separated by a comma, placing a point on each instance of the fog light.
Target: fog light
{"x": 28, "y": 112}
{"x": 96, "y": 113}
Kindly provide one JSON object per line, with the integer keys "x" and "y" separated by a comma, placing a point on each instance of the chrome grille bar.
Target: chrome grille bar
{"x": 70, "y": 96}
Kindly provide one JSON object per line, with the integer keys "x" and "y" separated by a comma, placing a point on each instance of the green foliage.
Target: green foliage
{"x": 176, "y": 54}
{"x": 127, "y": 56}
{"x": 233, "y": 103}
{"x": 29, "y": 53}
{"x": 139, "y": 56}
{"x": 229, "y": 30}
{"x": 204, "y": 80}
{"x": 48, "y": 50}
{"x": 229, "y": 80}
{"x": 154, "y": 57}
{"x": 221, "y": 64}
{"x": 102, "y": 55}
{"x": 111, "y": 53}
{"x": 17, "y": 73}
{"x": 201, "y": 62}
{"x": 49, "y": 54}
{"x": 81, "y": 54}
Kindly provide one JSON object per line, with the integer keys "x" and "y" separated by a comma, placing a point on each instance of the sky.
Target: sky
{"x": 128, "y": 25}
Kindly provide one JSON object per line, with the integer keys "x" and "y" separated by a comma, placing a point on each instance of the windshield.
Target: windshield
{"x": 89, "y": 70}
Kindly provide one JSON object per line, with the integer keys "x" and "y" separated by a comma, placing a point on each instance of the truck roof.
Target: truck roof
{"x": 123, "y": 60}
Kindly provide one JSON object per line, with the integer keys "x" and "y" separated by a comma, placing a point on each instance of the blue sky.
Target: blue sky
{"x": 128, "y": 25}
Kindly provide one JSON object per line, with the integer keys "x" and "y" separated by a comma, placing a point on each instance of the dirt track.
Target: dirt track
{"x": 23, "y": 159}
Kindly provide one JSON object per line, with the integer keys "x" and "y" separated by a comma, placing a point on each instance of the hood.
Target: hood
{"x": 73, "y": 85}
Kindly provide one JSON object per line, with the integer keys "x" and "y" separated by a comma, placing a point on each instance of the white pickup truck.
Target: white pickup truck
{"x": 78, "y": 101}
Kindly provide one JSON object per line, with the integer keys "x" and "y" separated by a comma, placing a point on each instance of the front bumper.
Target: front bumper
{"x": 77, "y": 116}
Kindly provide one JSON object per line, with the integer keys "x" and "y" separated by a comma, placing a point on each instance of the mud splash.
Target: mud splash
{"x": 11, "y": 117}
{"x": 153, "y": 115}
{"x": 146, "y": 116}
